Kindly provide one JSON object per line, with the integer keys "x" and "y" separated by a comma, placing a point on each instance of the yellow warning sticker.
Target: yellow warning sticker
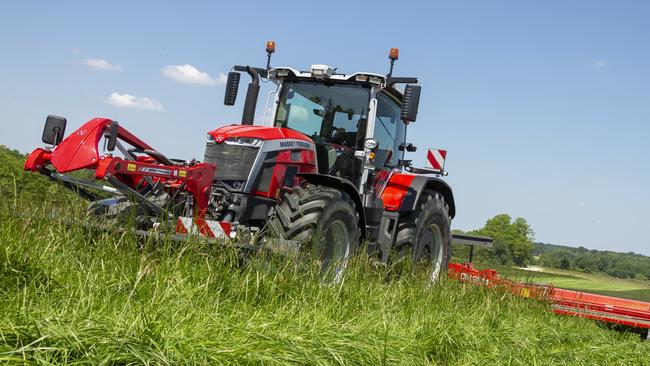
{"x": 130, "y": 167}
{"x": 182, "y": 173}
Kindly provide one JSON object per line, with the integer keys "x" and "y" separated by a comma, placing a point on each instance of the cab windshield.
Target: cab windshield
{"x": 334, "y": 114}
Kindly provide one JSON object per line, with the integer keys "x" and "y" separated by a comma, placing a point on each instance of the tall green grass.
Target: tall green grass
{"x": 69, "y": 295}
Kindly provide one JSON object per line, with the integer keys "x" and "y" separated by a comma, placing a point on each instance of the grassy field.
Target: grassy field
{"x": 572, "y": 280}
{"x": 68, "y": 295}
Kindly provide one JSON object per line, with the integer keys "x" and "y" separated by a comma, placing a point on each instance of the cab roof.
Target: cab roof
{"x": 370, "y": 77}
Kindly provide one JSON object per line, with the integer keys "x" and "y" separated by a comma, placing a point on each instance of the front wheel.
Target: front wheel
{"x": 324, "y": 224}
{"x": 425, "y": 235}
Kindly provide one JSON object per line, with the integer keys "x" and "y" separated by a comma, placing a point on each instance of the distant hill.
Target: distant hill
{"x": 13, "y": 180}
{"x": 541, "y": 248}
{"x": 622, "y": 265}
{"x": 18, "y": 185}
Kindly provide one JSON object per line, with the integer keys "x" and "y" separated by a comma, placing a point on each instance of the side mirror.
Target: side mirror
{"x": 111, "y": 135}
{"x": 54, "y": 130}
{"x": 408, "y": 147}
{"x": 232, "y": 86}
{"x": 410, "y": 102}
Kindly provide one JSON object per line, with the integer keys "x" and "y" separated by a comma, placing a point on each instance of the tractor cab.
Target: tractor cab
{"x": 357, "y": 121}
{"x": 334, "y": 112}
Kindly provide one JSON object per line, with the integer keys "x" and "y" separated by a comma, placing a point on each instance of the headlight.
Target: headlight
{"x": 210, "y": 140}
{"x": 244, "y": 141}
{"x": 370, "y": 144}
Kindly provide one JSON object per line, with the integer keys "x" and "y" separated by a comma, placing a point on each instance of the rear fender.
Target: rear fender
{"x": 403, "y": 190}
{"x": 343, "y": 185}
{"x": 420, "y": 183}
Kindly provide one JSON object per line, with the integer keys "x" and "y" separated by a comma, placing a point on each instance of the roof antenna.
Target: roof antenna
{"x": 393, "y": 55}
{"x": 270, "y": 48}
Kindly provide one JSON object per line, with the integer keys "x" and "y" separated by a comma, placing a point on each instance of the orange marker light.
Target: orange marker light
{"x": 393, "y": 54}
{"x": 270, "y": 46}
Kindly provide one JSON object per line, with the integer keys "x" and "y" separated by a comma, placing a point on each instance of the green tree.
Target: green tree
{"x": 512, "y": 239}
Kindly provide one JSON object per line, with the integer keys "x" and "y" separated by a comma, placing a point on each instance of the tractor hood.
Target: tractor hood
{"x": 258, "y": 159}
{"x": 257, "y": 132}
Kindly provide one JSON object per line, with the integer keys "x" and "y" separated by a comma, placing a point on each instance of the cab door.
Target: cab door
{"x": 389, "y": 132}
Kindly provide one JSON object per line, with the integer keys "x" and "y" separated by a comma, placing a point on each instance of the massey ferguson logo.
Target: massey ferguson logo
{"x": 294, "y": 143}
{"x": 220, "y": 138}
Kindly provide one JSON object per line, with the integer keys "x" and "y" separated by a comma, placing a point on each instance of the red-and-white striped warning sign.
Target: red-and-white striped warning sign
{"x": 436, "y": 159}
{"x": 209, "y": 228}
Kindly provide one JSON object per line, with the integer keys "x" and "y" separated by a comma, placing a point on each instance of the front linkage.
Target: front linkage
{"x": 176, "y": 192}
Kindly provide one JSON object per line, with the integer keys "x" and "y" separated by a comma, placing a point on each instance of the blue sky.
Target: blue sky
{"x": 544, "y": 106}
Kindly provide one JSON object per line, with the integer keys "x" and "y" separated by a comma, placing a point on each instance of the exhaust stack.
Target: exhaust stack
{"x": 253, "y": 91}
{"x": 248, "y": 116}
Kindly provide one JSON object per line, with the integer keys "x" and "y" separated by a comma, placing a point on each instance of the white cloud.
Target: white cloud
{"x": 191, "y": 75}
{"x": 299, "y": 113}
{"x": 221, "y": 79}
{"x": 261, "y": 118}
{"x": 599, "y": 64}
{"x": 99, "y": 64}
{"x": 130, "y": 101}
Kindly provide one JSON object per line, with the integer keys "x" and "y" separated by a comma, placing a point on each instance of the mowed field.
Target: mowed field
{"x": 572, "y": 280}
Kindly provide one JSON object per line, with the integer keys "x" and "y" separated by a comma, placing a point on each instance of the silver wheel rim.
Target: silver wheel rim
{"x": 432, "y": 250}
{"x": 335, "y": 245}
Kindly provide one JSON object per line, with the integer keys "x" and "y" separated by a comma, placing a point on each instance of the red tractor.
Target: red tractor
{"x": 324, "y": 174}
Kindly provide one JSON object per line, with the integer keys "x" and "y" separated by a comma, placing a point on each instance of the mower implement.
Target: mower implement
{"x": 137, "y": 176}
{"x": 613, "y": 310}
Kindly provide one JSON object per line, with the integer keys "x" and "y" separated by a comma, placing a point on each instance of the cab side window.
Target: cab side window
{"x": 389, "y": 130}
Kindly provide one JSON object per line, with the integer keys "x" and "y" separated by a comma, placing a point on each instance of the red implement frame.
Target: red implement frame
{"x": 600, "y": 307}
{"x": 608, "y": 309}
{"x": 80, "y": 151}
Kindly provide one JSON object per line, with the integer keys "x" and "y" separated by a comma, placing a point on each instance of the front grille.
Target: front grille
{"x": 233, "y": 162}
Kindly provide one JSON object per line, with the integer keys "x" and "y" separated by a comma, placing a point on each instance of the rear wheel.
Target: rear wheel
{"x": 425, "y": 235}
{"x": 322, "y": 223}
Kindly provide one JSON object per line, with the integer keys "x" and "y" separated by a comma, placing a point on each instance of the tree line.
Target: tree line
{"x": 621, "y": 265}
{"x": 514, "y": 245}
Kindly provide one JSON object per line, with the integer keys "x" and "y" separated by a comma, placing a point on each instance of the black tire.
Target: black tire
{"x": 324, "y": 223}
{"x": 425, "y": 235}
